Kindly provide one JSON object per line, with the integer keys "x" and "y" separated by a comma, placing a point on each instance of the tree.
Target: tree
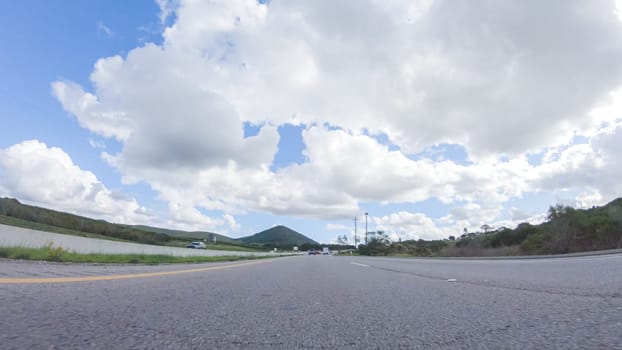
{"x": 452, "y": 238}
{"x": 342, "y": 239}
{"x": 379, "y": 244}
{"x": 615, "y": 214}
{"x": 567, "y": 225}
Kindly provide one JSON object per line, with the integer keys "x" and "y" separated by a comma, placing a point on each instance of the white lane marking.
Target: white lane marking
{"x": 357, "y": 264}
{"x": 451, "y": 280}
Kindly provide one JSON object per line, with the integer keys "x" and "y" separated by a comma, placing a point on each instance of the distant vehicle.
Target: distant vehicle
{"x": 196, "y": 245}
{"x": 314, "y": 252}
{"x": 325, "y": 251}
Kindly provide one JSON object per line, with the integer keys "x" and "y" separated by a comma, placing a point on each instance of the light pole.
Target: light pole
{"x": 355, "y": 232}
{"x": 365, "y": 228}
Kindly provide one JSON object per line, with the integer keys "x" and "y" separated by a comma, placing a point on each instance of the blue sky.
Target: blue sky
{"x": 58, "y": 39}
{"x": 306, "y": 121}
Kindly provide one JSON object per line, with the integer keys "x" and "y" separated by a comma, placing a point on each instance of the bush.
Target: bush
{"x": 54, "y": 253}
{"x": 535, "y": 243}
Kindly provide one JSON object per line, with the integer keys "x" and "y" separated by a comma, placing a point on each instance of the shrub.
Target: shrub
{"x": 54, "y": 253}
{"x": 535, "y": 243}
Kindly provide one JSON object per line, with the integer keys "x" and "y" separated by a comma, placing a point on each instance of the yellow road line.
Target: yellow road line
{"x": 34, "y": 280}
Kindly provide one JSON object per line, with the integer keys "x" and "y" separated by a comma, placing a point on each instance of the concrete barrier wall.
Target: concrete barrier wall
{"x": 11, "y": 236}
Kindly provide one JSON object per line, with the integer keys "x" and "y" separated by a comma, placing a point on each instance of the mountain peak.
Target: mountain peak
{"x": 278, "y": 236}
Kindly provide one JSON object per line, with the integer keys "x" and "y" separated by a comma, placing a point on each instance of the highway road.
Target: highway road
{"x": 315, "y": 302}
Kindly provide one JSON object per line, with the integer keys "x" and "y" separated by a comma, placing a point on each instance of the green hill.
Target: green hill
{"x": 279, "y": 237}
{"x": 14, "y": 213}
{"x": 199, "y": 235}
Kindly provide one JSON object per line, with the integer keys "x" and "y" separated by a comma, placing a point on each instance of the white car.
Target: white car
{"x": 196, "y": 245}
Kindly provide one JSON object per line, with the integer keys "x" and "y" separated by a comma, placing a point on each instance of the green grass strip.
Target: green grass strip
{"x": 51, "y": 253}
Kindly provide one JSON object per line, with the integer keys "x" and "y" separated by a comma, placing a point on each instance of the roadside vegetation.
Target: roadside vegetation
{"x": 566, "y": 230}
{"x": 72, "y": 223}
{"x": 14, "y": 213}
{"x": 380, "y": 244}
{"x": 58, "y": 254}
{"x": 12, "y": 221}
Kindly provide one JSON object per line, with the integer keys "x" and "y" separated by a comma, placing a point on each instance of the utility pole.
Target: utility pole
{"x": 355, "y": 232}
{"x": 365, "y": 228}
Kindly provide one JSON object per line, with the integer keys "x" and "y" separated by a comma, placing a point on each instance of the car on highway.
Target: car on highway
{"x": 314, "y": 252}
{"x": 196, "y": 245}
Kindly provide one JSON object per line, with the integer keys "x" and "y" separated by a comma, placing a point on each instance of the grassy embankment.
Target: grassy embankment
{"x": 11, "y": 221}
{"x": 171, "y": 242}
{"x": 58, "y": 254}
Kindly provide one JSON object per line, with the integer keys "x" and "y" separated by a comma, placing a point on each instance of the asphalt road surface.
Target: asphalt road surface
{"x": 315, "y": 302}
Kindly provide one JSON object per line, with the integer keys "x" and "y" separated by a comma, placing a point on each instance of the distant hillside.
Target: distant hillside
{"x": 278, "y": 237}
{"x": 10, "y": 207}
{"x": 188, "y": 234}
{"x": 12, "y": 212}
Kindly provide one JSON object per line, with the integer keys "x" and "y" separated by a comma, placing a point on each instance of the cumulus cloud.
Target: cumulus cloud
{"x": 163, "y": 117}
{"x": 47, "y": 176}
{"x": 369, "y": 171}
{"x": 337, "y": 227}
{"x": 498, "y": 79}
{"x": 591, "y": 167}
{"x": 399, "y": 67}
{"x": 190, "y": 218}
{"x": 167, "y": 7}
{"x": 408, "y": 225}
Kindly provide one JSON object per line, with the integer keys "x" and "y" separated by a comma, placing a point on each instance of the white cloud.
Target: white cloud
{"x": 589, "y": 199}
{"x": 46, "y": 176}
{"x": 424, "y": 81}
{"x": 97, "y": 144}
{"x": 102, "y": 28}
{"x": 164, "y": 120}
{"x": 593, "y": 166}
{"x": 421, "y": 72}
{"x": 190, "y": 218}
{"x": 408, "y": 225}
{"x": 89, "y": 111}
{"x": 230, "y": 220}
{"x": 364, "y": 169}
{"x": 336, "y": 227}
{"x": 167, "y": 7}
{"x": 42, "y": 175}
{"x": 472, "y": 216}
{"x": 401, "y": 69}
